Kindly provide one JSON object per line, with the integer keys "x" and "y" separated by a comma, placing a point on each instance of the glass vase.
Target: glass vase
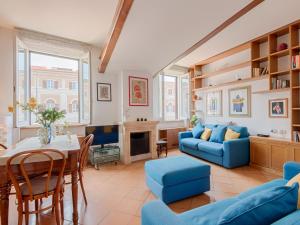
{"x": 45, "y": 135}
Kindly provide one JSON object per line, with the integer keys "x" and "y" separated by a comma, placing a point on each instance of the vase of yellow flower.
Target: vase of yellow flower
{"x": 46, "y": 117}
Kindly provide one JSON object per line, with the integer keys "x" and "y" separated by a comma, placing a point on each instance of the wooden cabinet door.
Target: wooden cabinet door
{"x": 260, "y": 154}
{"x": 296, "y": 154}
{"x": 279, "y": 155}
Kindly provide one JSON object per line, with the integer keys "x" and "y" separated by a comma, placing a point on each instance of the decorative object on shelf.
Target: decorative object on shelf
{"x": 137, "y": 119}
{"x": 240, "y": 102}
{"x": 46, "y": 117}
{"x": 282, "y": 46}
{"x": 194, "y": 120}
{"x": 145, "y": 119}
{"x": 104, "y": 92}
{"x": 295, "y": 61}
{"x": 278, "y": 108}
{"x": 214, "y": 103}
{"x": 138, "y": 91}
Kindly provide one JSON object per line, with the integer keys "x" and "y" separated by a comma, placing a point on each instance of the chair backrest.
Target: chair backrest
{"x": 3, "y": 146}
{"x": 21, "y": 166}
{"x": 84, "y": 148}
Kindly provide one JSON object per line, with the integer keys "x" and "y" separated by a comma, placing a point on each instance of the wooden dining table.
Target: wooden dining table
{"x": 69, "y": 145}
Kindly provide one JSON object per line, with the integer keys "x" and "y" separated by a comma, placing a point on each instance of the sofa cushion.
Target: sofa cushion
{"x": 295, "y": 179}
{"x": 191, "y": 143}
{"x": 210, "y": 126}
{"x": 242, "y": 130}
{"x": 175, "y": 170}
{"x": 207, "y": 214}
{"x": 218, "y": 134}
{"x": 264, "y": 207}
{"x": 197, "y": 130}
{"x": 211, "y": 147}
{"x": 291, "y": 219}
{"x": 231, "y": 135}
{"x": 206, "y": 134}
{"x": 270, "y": 184}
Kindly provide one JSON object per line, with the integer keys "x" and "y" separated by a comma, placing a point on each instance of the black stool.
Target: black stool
{"x": 161, "y": 146}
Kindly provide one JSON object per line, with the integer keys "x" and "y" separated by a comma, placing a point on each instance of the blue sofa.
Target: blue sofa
{"x": 230, "y": 154}
{"x": 157, "y": 213}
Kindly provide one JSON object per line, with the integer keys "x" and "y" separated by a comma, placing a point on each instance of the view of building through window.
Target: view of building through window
{"x": 54, "y": 82}
{"x": 174, "y": 97}
{"x": 170, "y": 96}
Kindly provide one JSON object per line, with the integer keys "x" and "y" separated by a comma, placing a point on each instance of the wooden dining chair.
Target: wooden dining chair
{"x": 3, "y": 146}
{"x": 82, "y": 159}
{"x": 49, "y": 183}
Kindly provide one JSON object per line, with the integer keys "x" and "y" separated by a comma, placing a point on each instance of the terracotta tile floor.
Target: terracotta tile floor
{"x": 116, "y": 194}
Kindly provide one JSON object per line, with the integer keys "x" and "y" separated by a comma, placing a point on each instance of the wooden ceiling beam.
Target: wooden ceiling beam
{"x": 217, "y": 30}
{"x": 118, "y": 23}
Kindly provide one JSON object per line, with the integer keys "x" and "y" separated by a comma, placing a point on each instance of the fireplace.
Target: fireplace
{"x": 145, "y": 134}
{"x": 139, "y": 143}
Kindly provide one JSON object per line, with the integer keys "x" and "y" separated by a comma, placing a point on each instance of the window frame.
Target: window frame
{"x": 28, "y": 121}
{"x": 178, "y": 92}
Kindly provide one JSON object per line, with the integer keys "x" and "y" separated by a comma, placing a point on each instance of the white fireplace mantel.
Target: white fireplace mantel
{"x": 134, "y": 127}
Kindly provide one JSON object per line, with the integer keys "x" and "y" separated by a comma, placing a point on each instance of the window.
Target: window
{"x": 50, "y": 104}
{"x": 73, "y": 85}
{"x": 74, "y": 106}
{"x": 173, "y": 97}
{"x": 56, "y": 82}
{"x": 170, "y": 97}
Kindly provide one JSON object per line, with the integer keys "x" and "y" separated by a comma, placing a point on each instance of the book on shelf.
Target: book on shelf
{"x": 279, "y": 83}
{"x": 296, "y": 136}
{"x": 257, "y": 71}
{"x": 295, "y": 61}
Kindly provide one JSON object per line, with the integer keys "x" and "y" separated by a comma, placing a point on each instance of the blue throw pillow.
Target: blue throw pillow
{"x": 197, "y": 130}
{"x": 262, "y": 208}
{"x": 210, "y": 126}
{"x": 218, "y": 134}
{"x": 242, "y": 130}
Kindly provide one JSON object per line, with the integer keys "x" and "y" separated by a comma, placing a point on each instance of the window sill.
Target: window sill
{"x": 69, "y": 125}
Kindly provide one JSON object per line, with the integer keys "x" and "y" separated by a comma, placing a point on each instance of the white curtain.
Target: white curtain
{"x": 50, "y": 44}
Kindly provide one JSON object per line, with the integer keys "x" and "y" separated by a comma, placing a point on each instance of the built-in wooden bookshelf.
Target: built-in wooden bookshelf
{"x": 273, "y": 57}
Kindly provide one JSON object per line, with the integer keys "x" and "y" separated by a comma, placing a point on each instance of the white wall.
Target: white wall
{"x": 104, "y": 113}
{"x": 6, "y": 69}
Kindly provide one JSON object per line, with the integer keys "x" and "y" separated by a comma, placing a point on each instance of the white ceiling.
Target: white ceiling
{"x": 82, "y": 20}
{"x": 268, "y": 16}
{"x": 158, "y": 31}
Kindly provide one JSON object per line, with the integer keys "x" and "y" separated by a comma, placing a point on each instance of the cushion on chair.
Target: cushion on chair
{"x": 218, "y": 134}
{"x": 191, "y": 143}
{"x": 264, "y": 207}
{"x": 197, "y": 130}
{"x": 38, "y": 185}
{"x": 211, "y": 148}
{"x": 175, "y": 170}
{"x": 242, "y": 130}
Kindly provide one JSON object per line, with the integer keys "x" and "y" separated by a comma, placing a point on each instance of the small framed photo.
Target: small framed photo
{"x": 278, "y": 108}
{"x": 104, "y": 92}
{"x": 214, "y": 103}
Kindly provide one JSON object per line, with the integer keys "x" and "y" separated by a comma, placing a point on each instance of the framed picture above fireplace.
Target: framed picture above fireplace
{"x": 138, "y": 91}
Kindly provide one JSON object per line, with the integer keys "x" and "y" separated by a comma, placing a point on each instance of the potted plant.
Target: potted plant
{"x": 194, "y": 120}
{"x": 46, "y": 117}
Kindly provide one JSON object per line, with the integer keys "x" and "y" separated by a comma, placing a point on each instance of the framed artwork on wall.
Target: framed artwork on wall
{"x": 138, "y": 91}
{"x": 278, "y": 108}
{"x": 104, "y": 92}
{"x": 214, "y": 103}
{"x": 240, "y": 102}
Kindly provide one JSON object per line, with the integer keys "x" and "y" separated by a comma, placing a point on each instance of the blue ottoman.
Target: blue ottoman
{"x": 177, "y": 177}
